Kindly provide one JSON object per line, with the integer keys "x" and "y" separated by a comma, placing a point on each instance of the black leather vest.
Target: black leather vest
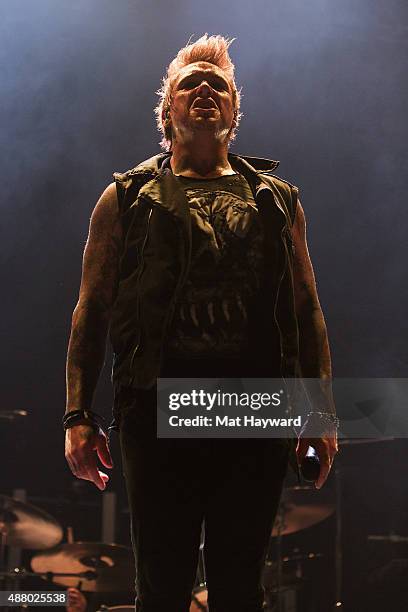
{"x": 156, "y": 257}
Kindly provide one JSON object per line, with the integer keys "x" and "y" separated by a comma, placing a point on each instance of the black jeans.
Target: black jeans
{"x": 172, "y": 485}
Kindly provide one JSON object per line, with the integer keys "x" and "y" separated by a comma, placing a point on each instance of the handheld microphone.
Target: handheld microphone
{"x": 310, "y": 466}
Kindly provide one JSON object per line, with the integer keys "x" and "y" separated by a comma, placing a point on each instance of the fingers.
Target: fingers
{"x": 81, "y": 456}
{"x": 325, "y": 448}
{"x": 301, "y": 449}
{"x": 325, "y": 465}
{"x": 95, "y": 476}
{"x": 102, "y": 449}
{"x": 88, "y": 469}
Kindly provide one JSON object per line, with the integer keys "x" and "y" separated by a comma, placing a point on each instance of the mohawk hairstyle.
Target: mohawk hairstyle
{"x": 211, "y": 49}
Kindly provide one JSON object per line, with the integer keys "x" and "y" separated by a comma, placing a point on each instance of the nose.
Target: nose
{"x": 204, "y": 88}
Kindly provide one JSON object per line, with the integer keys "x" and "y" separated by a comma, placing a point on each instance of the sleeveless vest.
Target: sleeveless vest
{"x": 156, "y": 257}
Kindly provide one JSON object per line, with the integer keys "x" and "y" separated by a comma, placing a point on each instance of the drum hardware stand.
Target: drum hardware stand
{"x": 338, "y": 544}
{"x": 280, "y": 524}
{"x": 19, "y": 573}
{"x": 3, "y": 538}
{"x": 10, "y": 580}
{"x": 3, "y": 574}
{"x": 201, "y": 570}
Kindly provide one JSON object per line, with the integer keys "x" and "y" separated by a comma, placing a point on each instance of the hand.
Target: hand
{"x": 76, "y": 601}
{"x": 82, "y": 447}
{"x": 326, "y": 447}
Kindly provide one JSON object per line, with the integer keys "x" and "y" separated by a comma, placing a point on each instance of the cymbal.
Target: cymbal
{"x": 302, "y": 557}
{"x": 391, "y": 537}
{"x": 113, "y": 565}
{"x": 299, "y": 509}
{"x": 27, "y": 526}
{"x": 12, "y": 414}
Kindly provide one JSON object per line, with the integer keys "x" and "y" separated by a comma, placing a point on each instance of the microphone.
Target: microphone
{"x": 310, "y": 466}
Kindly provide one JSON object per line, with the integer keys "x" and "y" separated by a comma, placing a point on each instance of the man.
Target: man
{"x": 197, "y": 263}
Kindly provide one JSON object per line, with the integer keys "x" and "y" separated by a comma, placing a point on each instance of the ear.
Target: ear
{"x": 166, "y": 116}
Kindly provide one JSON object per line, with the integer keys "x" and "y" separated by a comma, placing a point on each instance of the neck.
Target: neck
{"x": 200, "y": 159}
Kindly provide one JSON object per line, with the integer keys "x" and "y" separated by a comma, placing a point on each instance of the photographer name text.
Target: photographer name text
{"x": 239, "y": 421}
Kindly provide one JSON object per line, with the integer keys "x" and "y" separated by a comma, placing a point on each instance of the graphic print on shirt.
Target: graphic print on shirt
{"x": 226, "y": 271}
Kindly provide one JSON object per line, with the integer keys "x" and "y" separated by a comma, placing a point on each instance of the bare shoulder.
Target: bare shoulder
{"x": 109, "y": 196}
{"x": 107, "y": 207}
{"x": 102, "y": 251}
{"x": 303, "y": 274}
{"x": 299, "y": 224}
{"x": 105, "y": 218}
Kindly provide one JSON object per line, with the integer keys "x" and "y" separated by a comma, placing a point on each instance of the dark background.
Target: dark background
{"x": 324, "y": 91}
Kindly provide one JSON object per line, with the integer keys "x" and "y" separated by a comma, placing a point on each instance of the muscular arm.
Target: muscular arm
{"x": 314, "y": 345}
{"x": 90, "y": 320}
{"x": 314, "y": 355}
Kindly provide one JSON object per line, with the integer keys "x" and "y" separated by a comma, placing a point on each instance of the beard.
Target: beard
{"x": 195, "y": 127}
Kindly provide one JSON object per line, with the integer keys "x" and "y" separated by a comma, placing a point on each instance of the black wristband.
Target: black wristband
{"x": 85, "y": 417}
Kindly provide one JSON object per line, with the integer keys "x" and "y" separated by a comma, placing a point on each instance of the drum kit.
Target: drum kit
{"x": 284, "y": 575}
{"x": 95, "y": 567}
{"x": 90, "y": 566}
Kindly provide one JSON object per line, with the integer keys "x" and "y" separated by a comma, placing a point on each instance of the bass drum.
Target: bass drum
{"x": 199, "y": 601}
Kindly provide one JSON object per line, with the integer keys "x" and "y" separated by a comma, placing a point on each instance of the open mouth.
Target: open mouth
{"x": 205, "y": 104}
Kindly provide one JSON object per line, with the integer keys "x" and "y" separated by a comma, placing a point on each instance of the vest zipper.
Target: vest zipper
{"x": 276, "y": 301}
{"x": 137, "y": 285}
{"x": 180, "y": 282}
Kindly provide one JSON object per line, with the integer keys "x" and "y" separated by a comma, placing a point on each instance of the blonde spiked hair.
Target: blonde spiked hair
{"x": 211, "y": 49}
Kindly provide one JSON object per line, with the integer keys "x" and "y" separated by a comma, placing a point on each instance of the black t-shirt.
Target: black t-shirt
{"x": 223, "y": 324}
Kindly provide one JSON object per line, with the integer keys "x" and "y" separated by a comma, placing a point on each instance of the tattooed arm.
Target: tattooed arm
{"x": 87, "y": 344}
{"x": 313, "y": 341}
{"x": 315, "y": 359}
